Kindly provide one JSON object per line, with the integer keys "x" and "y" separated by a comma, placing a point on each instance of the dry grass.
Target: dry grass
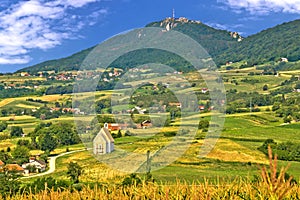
{"x": 6, "y": 101}
{"x": 235, "y": 190}
{"x": 17, "y": 118}
{"x": 53, "y": 98}
{"x": 228, "y": 150}
{"x": 271, "y": 185}
{"x": 6, "y": 143}
{"x": 26, "y": 106}
{"x": 273, "y": 182}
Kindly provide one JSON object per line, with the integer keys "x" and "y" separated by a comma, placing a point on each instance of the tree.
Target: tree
{"x": 5, "y": 156}
{"x": 74, "y": 171}
{"x": 41, "y": 184}
{"x": 276, "y": 106}
{"x": 47, "y": 142}
{"x": 203, "y": 124}
{"x": 3, "y": 126}
{"x": 21, "y": 154}
{"x": 265, "y": 87}
{"x": 287, "y": 119}
{"x": 16, "y": 131}
{"x": 132, "y": 179}
{"x": 65, "y": 133}
{"x": 9, "y": 183}
{"x": 119, "y": 134}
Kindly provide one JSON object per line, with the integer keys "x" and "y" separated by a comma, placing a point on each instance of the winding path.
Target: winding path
{"x": 52, "y": 164}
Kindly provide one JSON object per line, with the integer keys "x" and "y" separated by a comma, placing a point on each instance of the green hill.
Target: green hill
{"x": 268, "y": 45}
{"x": 215, "y": 41}
{"x": 72, "y": 62}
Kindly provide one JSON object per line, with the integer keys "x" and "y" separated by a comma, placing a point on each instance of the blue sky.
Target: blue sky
{"x": 33, "y": 31}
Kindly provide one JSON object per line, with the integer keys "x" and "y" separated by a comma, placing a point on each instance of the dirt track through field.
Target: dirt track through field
{"x": 52, "y": 164}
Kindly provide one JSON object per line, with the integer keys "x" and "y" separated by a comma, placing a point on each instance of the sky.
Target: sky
{"x": 34, "y": 31}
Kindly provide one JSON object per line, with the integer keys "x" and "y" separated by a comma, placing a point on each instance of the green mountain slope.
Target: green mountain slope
{"x": 72, "y": 62}
{"x": 269, "y": 45}
{"x": 213, "y": 40}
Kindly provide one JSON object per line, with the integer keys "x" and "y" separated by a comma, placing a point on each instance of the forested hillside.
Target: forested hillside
{"x": 268, "y": 45}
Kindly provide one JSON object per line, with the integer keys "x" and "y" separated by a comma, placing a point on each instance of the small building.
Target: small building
{"x": 178, "y": 105}
{"x": 14, "y": 168}
{"x": 103, "y": 143}
{"x": 284, "y": 60}
{"x": 39, "y": 165}
{"x": 204, "y": 90}
{"x": 201, "y": 107}
{"x": 23, "y": 74}
{"x": 146, "y": 124}
{"x": 113, "y": 127}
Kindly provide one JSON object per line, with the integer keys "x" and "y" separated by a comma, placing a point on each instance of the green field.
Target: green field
{"x": 235, "y": 153}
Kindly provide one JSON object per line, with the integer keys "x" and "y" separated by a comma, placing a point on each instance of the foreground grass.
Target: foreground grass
{"x": 271, "y": 184}
{"x": 235, "y": 190}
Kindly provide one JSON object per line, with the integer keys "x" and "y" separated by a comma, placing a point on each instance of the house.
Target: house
{"x": 284, "y": 60}
{"x": 1, "y": 164}
{"x": 228, "y": 63}
{"x": 139, "y": 110}
{"x": 178, "y": 105}
{"x": 201, "y": 107}
{"x": 38, "y": 164}
{"x": 24, "y": 74}
{"x": 204, "y": 90}
{"x": 113, "y": 127}
{"x": 14, "y": 168}
{"x": 103, "y": 143}
{"x": 146, "y": 124}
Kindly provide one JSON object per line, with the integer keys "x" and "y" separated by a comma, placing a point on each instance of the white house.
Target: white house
{"x": 38, "y": 164}
{"x": 103, "y": 143}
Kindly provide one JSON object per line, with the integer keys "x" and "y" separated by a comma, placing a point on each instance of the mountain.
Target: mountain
{"x": 269, "y": 45}
{"x": 213, "y": 40}
{"x": 64, "y": 64}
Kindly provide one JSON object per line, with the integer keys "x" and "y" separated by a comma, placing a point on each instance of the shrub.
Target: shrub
{"x": 170, "y": 134}
{"x": 132, "y": 179}
{"x": 16, "y": 131}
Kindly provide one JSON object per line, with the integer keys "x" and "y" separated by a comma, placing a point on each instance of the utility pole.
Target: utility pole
{"x": 148, "y": 168}
{"x": 250, "y": 104}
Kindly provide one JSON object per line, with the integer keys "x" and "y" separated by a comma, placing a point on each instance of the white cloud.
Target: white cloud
{"x": 71, "y": 3}
{"x": 39, "y": 24}
{"x": 263, "y": 7}
{"x": 14, "y": 60}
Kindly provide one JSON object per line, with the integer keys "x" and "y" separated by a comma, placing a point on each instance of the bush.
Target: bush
{"x": 203, "y": 124}
{"x": 3, "y": 126}
{"x": 127, "y": 133}
{"x": 16, "y": 131}
{"x": 265, "y": 87}
{"x": 285, "y": 151}
{"x": 170, "y": 134}
{"x": 133, "y": 179}
{"x": 40, "y": 184}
